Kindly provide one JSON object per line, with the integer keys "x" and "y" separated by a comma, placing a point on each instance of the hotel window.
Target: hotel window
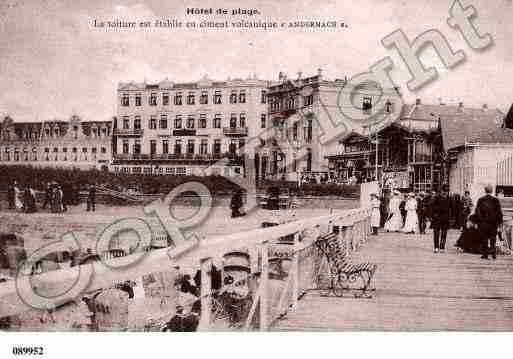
{"x": 125, "y": 147}
{"x": 232, "y": 148}
{"x": 204, "y": 98}
{"x": 165, "y": 99}
{"x": 26, "y": 155}
{"x": 367, "y": 103}
{"x": 263, "y": 96}
{"x": 153, "y": 99}
{"x": 291, "y": 102}
{"x": 217, "y": 97}
{"x": 153, "y": 123}
{"x": 125, "y": 100}
{"x": 16, "y": 155}
{"x": 93, "y": 150}
{"x": 242, "y": 120}
{"x": 178, "y": 147}
{"x": 138, "y": 99}
{"x": 203, "y": 147}
{"x": 103, "y": 150}
{"x": 262, "y": 121}
{"x": 137, "y": 123}
{"x": 217, "y": 121}
{"x": 181, "y": 171}
{"x": 137, "y": 147}
{"x": 178, "y": 98}
{"x": 202, "y": 123}
{"x": 233, "y": 97}
{"x": 163, "y": 121}
{"x": 104, "y": 131}
{"x": 147, "y": 170}
{"x": 178, "y": 121}
{"x": 217, "y": 147}
{"x": 308, "y": 100}
{"x": 190, "y": 147}
{"x": 295, "y": 131}
{"x": 165, "y": 146}
{"x": 126, "y": 122}
{"x": 170, "y": 170}
{"x": 125, "y": 169}
{"x": 84, "y": 149}
{"x": 308, "y": 131}
{"x": 233, "y": 120}
{"x": 153, "y": 147}
{"x": 190, "y": 98}
{"x": 136, "y": 170}
{"x": 190, "y": 122}
{"x": 242, "y": 96}
{"x": 34, "y": 153}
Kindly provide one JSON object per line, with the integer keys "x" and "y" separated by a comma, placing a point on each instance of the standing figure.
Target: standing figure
{"x": 375, "y": 214}
{"x": 33, "y": 200}
{"x": 18, "y": 203}
{"x": 440, "y": 218}
{"x": 411, "y": 224}
{"x": 48, "y": 196}
{"x": 91, "y": 198}
{"x": 402, "y": 208}
{"x": 394, "y": 222}
{"x": 489, "y": 221}
{"x": 236, "y": 204}
{"x": 466, "y": 208}
{"x": 421, "y": 212}
{"x": 11, "y": 195}
{"x": 57, "y": 200}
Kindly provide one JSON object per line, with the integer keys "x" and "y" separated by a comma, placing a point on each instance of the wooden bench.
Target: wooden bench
{"x": 342, "y": 271}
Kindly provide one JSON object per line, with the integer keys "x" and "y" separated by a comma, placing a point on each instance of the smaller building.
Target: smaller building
{"x": 57, "y": 143}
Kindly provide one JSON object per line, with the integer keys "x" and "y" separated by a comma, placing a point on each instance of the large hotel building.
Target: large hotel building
{"x": 187, "y": 128}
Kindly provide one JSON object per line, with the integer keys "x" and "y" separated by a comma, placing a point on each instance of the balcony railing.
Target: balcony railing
{"x": 235, "y": 131}
{"x": 175, "y": 157}
{"x": 128, "y": 132}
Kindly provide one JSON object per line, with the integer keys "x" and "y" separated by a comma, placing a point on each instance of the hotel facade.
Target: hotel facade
{"x": 196, "y": 128}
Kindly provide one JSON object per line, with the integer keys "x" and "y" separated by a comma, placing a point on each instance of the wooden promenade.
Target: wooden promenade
{"x": 416, "y": 290}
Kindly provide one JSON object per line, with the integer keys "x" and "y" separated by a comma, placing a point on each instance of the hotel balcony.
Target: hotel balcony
{"x": 172, "y": 158}
{"x": 128, "y": 132}
{"x": 235, "y": 131}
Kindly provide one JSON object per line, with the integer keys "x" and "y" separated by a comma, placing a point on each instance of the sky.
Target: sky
{"x": 55, "y": 63}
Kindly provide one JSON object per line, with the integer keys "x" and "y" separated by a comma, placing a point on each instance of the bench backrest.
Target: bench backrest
{"x": 336, "y": 249}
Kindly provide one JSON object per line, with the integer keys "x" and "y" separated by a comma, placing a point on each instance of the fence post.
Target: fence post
{"x": 264, "y": 286}
{"x": 206, "y": 301}
{"x": 295, "y": 272}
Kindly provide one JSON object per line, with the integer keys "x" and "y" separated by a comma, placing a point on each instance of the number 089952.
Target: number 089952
{"x": 25, "y": 350}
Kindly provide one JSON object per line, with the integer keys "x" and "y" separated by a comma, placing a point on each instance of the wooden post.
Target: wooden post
{"x": 264, "y": 286}
{"x": 206, "y": 295}
{"x": 295, "y": 272}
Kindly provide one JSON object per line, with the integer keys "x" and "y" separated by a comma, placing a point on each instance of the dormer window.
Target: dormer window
{"x": 153, "y": 99}
{"x": 233, "y": 97}
{"x": 125, "y": 100}
{"x": 204, "y": 98}
{"x": 242, "y": 96}
{"x": 138, "y": 100}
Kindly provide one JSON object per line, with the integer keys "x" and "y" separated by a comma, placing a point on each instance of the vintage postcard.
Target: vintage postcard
{"x": 244, "y": 166}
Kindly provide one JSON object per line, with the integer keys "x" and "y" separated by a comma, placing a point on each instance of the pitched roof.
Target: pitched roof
{"x": 499, "y": 135}
{"x": 457, "y": 130}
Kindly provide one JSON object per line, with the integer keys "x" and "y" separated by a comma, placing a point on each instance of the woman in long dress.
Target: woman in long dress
{"x": 18, "y": 203}
{"x": 411, "y": 224}
{"x": 395, "y": 221}
{"x": 375, "y": 214}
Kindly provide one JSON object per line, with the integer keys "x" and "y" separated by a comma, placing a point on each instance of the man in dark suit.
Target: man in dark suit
{"x": 421, "y": 212}
{"x": 440, "y": 216}
{"x": 489, "y": 220}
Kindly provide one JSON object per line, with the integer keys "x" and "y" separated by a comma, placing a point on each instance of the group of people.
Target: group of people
{"x": 57, "y": 197}
{"x": 412, "y": 214}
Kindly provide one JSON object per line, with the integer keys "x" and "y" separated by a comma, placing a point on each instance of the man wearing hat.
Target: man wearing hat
{"x": 440, "y": 215}
{"x": 421, "y": 212}
{"x": 375, "y": 214}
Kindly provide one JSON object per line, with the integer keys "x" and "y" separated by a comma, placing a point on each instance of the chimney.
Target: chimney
{"x": 319, "y": 72}
{"x": 299, "y": 74}
{"x": 485, "y": 107}
{"x": 280, "y": 76}
{"x": 417, "y": 101}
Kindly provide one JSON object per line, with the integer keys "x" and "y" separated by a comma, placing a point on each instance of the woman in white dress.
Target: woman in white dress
{"x": 375, "y": 214}
{"x": 18, "y": 203}
{"x": 395, "y": 221}
{"x": 411, "y": 224}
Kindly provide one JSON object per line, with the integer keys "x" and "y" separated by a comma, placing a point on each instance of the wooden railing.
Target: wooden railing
{"x": 269, "y": 301}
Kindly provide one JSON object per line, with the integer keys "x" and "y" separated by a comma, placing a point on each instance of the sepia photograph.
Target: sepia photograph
{"x": 254, "y": 166}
